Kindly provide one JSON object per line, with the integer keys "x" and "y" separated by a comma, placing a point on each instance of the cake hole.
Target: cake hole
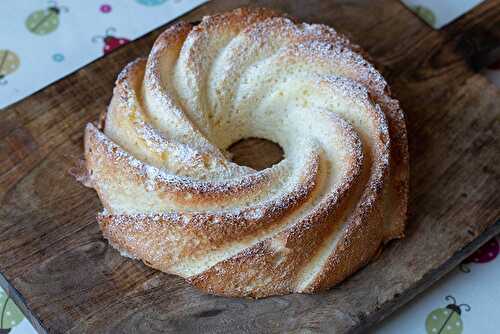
{"x": 256, "y": 153}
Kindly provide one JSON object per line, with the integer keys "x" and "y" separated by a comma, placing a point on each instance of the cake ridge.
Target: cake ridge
{"x": 174, "y": 199}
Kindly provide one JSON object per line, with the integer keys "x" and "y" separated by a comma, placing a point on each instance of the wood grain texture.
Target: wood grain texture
{"x": 67, "y": 279}
{"x": 256, "y": 153}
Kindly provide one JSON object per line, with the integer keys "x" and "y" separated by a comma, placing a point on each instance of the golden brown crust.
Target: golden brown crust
{"x": 173, "y": 199}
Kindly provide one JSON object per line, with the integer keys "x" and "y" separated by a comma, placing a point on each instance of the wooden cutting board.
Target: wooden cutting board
{"x": 67, "y": 279}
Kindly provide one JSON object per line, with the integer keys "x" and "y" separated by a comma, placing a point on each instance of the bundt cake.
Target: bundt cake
{"x": 172, "y": 196}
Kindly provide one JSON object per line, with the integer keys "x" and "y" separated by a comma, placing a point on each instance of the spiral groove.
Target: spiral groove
{"x": 174, "y": 199}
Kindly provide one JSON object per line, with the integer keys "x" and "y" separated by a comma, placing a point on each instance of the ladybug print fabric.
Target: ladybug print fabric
{"x": 111, "y": 42}
{"x": 9, "y": 63}
{"x": 151, "y": 2}
{"x": 486, "y": 253}
{"x": 446, "y": 320}
{"x": 44, "y": 40}
{"x": 44, "y": 21}
{"x": 10, "y": 315}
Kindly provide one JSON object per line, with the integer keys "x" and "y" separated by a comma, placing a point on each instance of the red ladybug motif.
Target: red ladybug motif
{"x": 488, "y": 252}
{"x": 110, "y": 42}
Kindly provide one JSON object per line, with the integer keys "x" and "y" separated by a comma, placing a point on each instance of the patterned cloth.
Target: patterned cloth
{"x": 465, "y": 301}
{"x": 438, "y": 13}
{"x": 48, "y": 40}
{"x": 43, "y": 41}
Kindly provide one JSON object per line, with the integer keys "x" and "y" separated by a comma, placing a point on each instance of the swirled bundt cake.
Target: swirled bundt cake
{"x": 174, "y": 199}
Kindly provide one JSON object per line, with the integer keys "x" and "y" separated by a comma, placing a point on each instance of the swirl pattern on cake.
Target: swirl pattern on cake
{"x": 173, "y": 198}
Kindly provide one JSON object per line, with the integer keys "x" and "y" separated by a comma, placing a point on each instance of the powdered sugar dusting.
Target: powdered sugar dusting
{"x": 219, "y": 222}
